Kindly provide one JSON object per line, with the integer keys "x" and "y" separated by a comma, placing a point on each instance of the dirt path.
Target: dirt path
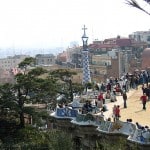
{"x": 134, "y": 109}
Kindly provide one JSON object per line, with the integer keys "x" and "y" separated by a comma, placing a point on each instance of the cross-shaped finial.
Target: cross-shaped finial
{"x": 84, "y": 28}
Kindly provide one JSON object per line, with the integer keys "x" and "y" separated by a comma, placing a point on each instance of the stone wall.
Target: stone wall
{"x": 90, "y": 137}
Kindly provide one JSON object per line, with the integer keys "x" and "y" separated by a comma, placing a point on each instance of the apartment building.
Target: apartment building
{"x": 8, "y": 65}
{"x": 11, "y": 61}
{"x": 102, "y": 60}
{"x": 141, "y": 36}
{"x": 146, "y": 59}
{"x": 45, "y": 59}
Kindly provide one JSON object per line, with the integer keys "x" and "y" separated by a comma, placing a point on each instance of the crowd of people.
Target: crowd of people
{"x": 115, "y": 86}
{"x": 120, "y": 86}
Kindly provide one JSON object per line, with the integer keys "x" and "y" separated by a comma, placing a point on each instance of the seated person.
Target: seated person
{"x": 139, "y": 126}
{"x": 90, "y": 108}
{"x": 61, "y": 105}
{"x": 109, "y": 119}
{"x": 87, "y": 107}
{"x": 113, "y": 97}
{"x": 104, "y": 108}
{"x": 107, "y": 96}
{"x": 129, "y": 120}
{"x": 118, "y": 89}
{"x": 75, "y": 103}
{"x": 102, "y": 115}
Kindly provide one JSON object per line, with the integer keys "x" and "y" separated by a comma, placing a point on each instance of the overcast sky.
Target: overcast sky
{"x": 55, "y": 23}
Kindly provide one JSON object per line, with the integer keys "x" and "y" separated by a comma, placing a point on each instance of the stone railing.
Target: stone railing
{"x": 120, "y": 127}
{"x": 127, "y": 130}
{"x": 141, "y": 136}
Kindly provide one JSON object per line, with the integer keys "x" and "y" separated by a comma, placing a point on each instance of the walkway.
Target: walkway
{"x": 134, "y": 109}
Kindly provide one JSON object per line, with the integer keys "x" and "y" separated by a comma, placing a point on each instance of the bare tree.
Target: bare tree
{"x": 135, "y": 4}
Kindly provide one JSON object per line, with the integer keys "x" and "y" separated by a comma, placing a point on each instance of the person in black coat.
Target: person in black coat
{"x": 124, "y": 95}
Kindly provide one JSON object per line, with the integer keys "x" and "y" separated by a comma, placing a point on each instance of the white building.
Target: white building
{"x": 141, "y": 36}
{"x": 8, "y": 67}
{"x": 11, "y": 61}
{"x": 102, "y": 60}
{"x": 45, "y": 59}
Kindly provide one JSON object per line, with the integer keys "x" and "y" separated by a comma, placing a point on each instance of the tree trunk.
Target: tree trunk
{"x": 22, "y": 122}
{"x": 21, "y": 113}
{"x": 71, "y": 91}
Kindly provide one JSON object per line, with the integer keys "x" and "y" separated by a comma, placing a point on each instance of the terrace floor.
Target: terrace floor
{"x": 134, "y": 109}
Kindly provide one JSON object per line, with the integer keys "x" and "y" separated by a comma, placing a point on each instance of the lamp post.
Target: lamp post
{"x": 85, "y": 59}
{"x": 119, "y": 63}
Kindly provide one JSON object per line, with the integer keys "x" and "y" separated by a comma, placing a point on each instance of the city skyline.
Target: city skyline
{"x": 49, "y": 24}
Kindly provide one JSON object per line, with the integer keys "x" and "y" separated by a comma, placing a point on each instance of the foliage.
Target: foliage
{"x": 31, "y": 138}
{"x": 135, "y": 4}
{"x": 106, "y": 144}
{"x": 63, "y": 74}
{"x": 30, "y": 87}
{"x": 8, "y": 129}
{"x": 64, "y": 80}
{"x": 27, "y": 62}
{"x": 89, "y": 85}
{"x": 77, "y": 88}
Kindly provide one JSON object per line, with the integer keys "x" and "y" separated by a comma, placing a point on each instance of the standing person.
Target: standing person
{"x": 143, "y": 88}
{"x": 124, "y": 95}
{"x": 101, "y": 97}
{"x": 147, "y": 91}
{"x": 144, "y": 99}
{"x": 114, "y": 112}
{"x": 117, "y": 112}
{"x": 136, "y": 82}
{"x": 102, "y": 87}
{"x": 109, "y": 87}
{"x": 100, "y": 100}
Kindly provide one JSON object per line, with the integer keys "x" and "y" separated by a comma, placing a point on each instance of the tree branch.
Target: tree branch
{"x": 135, "y": 4}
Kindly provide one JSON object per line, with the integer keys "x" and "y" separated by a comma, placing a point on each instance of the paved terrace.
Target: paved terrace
{"x": 134, "y": 109}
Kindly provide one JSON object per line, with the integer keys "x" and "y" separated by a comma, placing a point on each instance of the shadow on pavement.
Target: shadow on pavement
{"x": 139, "y": 111}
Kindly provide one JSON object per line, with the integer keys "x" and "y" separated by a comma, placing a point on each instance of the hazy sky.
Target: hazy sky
{"x": 55, "y": 23}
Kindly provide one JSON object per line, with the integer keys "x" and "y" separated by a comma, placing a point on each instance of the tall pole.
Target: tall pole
{"x": 85, "y": 59}
{"x": 119, "y": 64}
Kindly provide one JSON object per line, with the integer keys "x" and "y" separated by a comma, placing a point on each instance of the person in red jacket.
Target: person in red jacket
{"x": 144, "y": 100}
{"x": 100, "y": 100}
{"x": 117, "y": 112}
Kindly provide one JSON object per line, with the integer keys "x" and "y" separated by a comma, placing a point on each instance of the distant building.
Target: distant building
{"x": 62, "y": 57}
{"x": 109, "y": 44}
{"x": 11, "y": 61}
{"x": 119, "y": 65}
{"x": 102, "y": 60}
{"x": 8, "y": 65}
{"x": 74, "y": 57}
{"x": 99, "y": 47}
{"x": 45, "y": 59}
{"x": 141, "y": 36}
{"x": 111, "y": 57}
{"x": 146, "y": 58}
